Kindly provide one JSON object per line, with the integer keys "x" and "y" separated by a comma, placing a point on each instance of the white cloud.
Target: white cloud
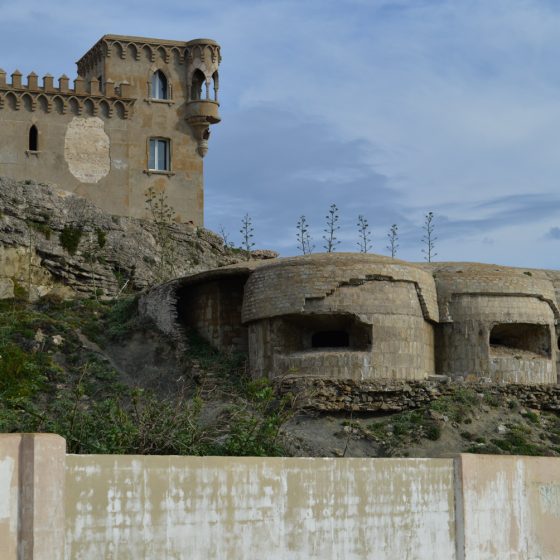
{"x": 416, "y": 105}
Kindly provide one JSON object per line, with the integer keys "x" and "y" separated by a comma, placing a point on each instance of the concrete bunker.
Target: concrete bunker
{"x": 495, "y": 322}
{"x": 367, "y": 317}
{"x": 343, "y": 316}
{"x": 211, "y": 305}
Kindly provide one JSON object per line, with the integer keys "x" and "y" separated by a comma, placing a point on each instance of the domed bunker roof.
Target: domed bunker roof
{"x": 283, "y": 286}
{"x": 454, "y": 279}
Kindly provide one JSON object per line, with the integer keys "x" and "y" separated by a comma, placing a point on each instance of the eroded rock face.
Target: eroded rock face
{"x": 40, "y": 224}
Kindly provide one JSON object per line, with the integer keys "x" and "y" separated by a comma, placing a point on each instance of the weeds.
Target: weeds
{"x": 70, "y": 238}
{"x": 66, "y": 389}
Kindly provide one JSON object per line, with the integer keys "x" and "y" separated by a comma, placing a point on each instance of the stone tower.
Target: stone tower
{"x": 138, "y": 117}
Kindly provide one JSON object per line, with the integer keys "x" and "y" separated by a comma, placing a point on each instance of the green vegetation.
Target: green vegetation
{"x": 101, "y": 237}
{"x": 53, "y": 378}
{"x": 462, "y": 421}
{"x": 50, "y": 382}
{"x": 163, "y": 216}
{"x": 70, "y": 238}
{"x": 41, "y": 227}
{"x": 400, "y": 430}
{"x": 458, "y": 406}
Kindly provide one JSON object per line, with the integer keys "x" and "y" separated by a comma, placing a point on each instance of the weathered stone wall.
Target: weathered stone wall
{"x": 348, "y": 395}
{"x": 93, "y": 138}
{"x": 69, "y": 154}
{"x": 171, "y": 307}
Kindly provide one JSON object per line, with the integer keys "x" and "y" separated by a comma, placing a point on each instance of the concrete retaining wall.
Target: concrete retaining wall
{"x": 32, "y": 481}
{"x": 59, "y": 506}
{"x": 230, "y": 508}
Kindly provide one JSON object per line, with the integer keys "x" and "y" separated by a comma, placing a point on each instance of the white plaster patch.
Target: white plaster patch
{"x": 86, "y": 149}
{"x": 119, "y": 164}
{"x": 550, "y": 498}
{"x": 6, "y": 473}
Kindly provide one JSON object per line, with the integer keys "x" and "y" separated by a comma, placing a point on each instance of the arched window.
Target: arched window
{"x": 160, "y": 89}
{"x": 216, "y": 81}
{"x": 198, "y": 79}
{"x": 33, "y": 139}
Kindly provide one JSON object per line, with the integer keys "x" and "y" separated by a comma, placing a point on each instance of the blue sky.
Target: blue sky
{"x": 388, "y": 108}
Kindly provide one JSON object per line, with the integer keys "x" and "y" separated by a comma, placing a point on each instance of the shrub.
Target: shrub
{"x": 70, "y": 238}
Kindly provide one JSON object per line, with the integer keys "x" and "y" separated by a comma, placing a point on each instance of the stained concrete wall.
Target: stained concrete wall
{"x": 32, "y": 483}
{"x": 285, "y": 509}
{"x": 55, "y": 506}
{"x": 509, "y": 508}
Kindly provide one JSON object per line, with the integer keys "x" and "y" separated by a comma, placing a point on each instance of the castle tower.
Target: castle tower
{"x": 137, "y": 118}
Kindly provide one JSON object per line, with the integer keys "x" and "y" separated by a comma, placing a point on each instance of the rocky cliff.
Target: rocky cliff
{"x": 53, "y": 241}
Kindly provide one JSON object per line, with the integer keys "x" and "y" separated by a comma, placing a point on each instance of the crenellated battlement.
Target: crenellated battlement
{"x": 85, "y": 97}
{"x": 135, "y": 48}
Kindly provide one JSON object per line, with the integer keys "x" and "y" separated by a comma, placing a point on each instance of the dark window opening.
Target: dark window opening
{"x": 198, "y": 79}
{"x": 33, "y": 139}
{"x": 216, "y": 81}
{"x": 314, "y": 332}
{"x": 212, "y": 309}
{"x": 330, "y": 339}
{"x": 512, "y": 337}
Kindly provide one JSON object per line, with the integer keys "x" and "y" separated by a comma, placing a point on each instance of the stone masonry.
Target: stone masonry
{"x": 137, "y": 117}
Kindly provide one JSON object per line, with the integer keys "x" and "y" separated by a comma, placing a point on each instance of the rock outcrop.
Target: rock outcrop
{"x": 54, "y": 241}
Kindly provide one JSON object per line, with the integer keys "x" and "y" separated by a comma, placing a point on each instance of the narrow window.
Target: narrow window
{"x": 33, "y": 139}
{"x": 159, "y": 155}
{"x": 198, "y": 79}
{"x": 159, "y": 86}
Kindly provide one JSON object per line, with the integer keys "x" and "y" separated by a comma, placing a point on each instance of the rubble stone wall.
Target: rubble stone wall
{"x": 348, "y": 395}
